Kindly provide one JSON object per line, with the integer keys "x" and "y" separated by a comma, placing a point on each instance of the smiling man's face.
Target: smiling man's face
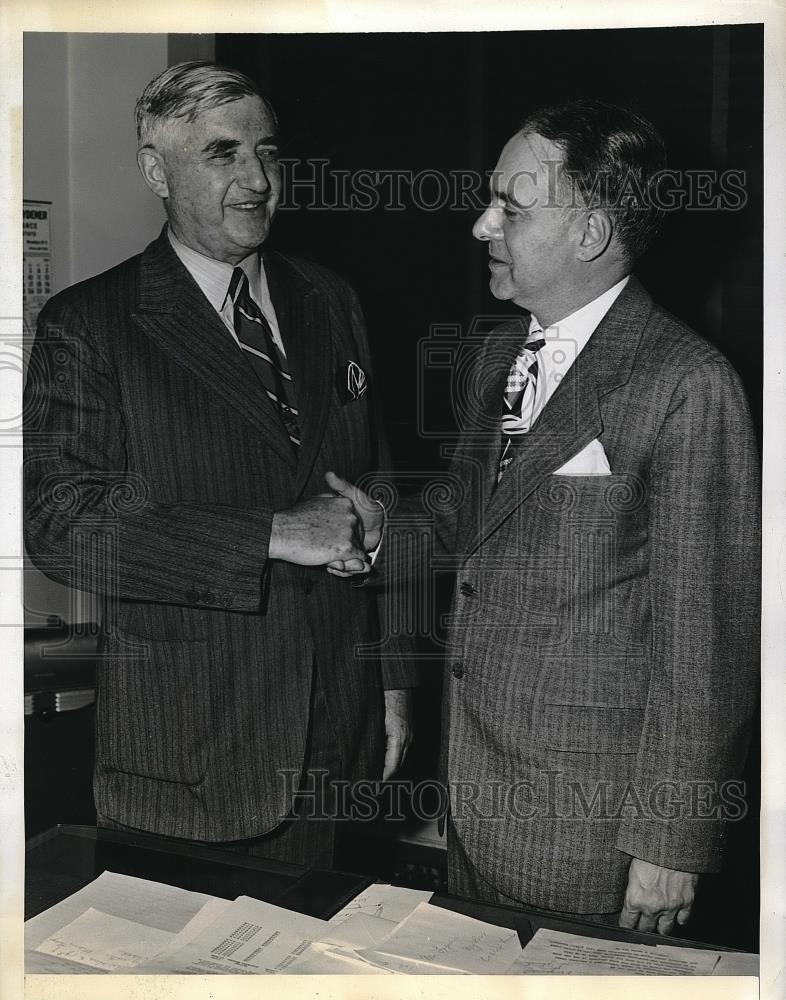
{"x": 223, "y": 179}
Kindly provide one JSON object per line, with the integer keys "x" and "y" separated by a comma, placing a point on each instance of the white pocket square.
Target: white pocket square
{"x": 590, "y": 461}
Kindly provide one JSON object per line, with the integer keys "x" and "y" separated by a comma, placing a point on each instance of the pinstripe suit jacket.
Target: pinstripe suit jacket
{"x": 604, "y": 631}
{"x": 154, "y": 464}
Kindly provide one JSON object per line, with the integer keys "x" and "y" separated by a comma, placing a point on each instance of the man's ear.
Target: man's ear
{"x": 595, "y": 234}
{"x": 151, "y": 166}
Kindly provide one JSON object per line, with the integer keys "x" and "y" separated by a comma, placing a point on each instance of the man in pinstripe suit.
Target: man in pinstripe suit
{"x": 603, "y": 650}
{"x": 162, "y": 472}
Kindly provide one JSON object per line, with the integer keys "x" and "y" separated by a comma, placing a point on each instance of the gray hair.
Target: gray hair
{"x": 185, "y": 91}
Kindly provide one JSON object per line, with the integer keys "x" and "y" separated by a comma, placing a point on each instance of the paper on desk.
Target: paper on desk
{"x": 358, "y": 930}
{"x": 321, "y": 960}
{"x": 37, "y": 963}
{"x": 555, "y": 953}
{"x": 148, "y": 904}
{"x": 434, "y": 940}
{"x": 371, "y": 916}
{"x": 248, "y": 937}
{"x": 737, "y": 963}
{"x": 212, "y": 909}
{"x": 387, "y": 902}
{"x": 104, "y": 942}
{"x": 100, "y": 942}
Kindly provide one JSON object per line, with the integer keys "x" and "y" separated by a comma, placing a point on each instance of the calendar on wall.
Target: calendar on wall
{"x": 37, "y": 257}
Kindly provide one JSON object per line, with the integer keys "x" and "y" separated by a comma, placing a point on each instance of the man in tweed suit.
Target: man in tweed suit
{"x": 602, "y": 662}
{"x": 162, "y": 472}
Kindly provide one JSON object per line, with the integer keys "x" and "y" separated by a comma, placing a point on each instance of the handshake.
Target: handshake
{"x": 336, "y": 530}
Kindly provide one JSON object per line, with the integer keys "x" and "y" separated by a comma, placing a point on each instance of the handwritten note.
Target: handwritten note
{"x": 432, "y": 939}
{"x": 386, "y": 902}
{"x": 372, "y": 915}
{"x": 358, "y": 930}
{"x": 104, "y": 942}
{"x": 139, "y": 904}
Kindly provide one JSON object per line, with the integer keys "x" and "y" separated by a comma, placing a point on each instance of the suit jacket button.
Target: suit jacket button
{"x": 209, "y": 598}
{"x": 457, "y": 670}
{"x": 467, "y": 589}
{"x": 193, "y": 597}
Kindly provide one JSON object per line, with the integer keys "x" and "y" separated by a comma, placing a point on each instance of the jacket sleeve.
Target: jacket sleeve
{"x": 90, "y": 522}
{"x": 704, "y": 575}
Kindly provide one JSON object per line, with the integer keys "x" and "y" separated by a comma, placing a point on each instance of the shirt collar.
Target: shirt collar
{"x": 581, "y": 324}
{"x": 213, "y": 276}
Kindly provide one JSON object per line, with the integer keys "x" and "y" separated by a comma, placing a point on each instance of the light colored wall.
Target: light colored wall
{"x": 80, "y": 147}
{"x": 113, "y": 214}
{"x": 45, "y": 143}
{"x": 80, "y": 154}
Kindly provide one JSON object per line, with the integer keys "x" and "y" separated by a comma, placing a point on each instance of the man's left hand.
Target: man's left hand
{"x": 656, "y": 897}
{"x": 398, "y": 728}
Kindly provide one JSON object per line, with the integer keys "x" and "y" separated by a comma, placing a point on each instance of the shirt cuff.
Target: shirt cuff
{"x": 373, "y": 553}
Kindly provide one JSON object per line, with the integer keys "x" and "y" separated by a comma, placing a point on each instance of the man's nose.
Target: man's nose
{"x": 489, "y": 225}
{"x": 254, "y": 174}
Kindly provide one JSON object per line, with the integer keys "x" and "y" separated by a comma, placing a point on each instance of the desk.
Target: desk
{"x": 66, "y": 858}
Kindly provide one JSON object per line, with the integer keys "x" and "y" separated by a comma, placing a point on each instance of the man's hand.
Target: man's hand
{"x": 371, "y": 514}
{"x": 398, "y": 729}
{"x": 656, "y": 896}
{"x": 318, "y": 531}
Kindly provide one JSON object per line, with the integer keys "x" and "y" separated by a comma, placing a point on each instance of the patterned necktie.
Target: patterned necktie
{"x": 520, "y": 398}
{"x": 263, "y": 354}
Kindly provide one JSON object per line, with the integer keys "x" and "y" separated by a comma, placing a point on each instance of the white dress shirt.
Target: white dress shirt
{"x": 213, "y": 277}
{"x": 565, "y": 341}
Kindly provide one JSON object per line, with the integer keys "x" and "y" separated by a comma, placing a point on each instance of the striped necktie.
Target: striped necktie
{"x": 263, "y": 354}
{"x": 520, "y": 398}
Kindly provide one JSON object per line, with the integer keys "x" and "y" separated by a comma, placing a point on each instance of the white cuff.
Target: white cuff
{"x": 375, "y": 551}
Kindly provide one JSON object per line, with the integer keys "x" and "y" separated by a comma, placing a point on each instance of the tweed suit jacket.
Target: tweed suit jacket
{"x": 154, "y": 463}
{"x": 602, "y": 672}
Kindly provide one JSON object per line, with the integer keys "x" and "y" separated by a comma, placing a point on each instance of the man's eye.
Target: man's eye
{"x": 227, "y": 155}
{"x": 510, "y": 213}
{"x": 271, "y": 155}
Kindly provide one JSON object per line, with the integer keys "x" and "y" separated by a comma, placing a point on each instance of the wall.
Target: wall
{"x": 113, "y": 214}
{"x": 45, "y": 146}
{"x": 80, "y": 154}
{"x": 80, "y": 147}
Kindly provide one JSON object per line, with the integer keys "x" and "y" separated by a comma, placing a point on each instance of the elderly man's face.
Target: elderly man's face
{"x": 223, "y": 179}
{"x": 531, "y": 234}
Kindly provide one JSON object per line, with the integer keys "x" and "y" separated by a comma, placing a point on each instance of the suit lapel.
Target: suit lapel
{"x": 478, "y": 451}
{"x": 305, "y": 324}
{"x": 174, "y": 312}
{"x": 572, "y": 417}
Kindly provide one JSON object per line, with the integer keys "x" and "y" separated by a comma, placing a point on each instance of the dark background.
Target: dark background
{"x": 449, "y": 102}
